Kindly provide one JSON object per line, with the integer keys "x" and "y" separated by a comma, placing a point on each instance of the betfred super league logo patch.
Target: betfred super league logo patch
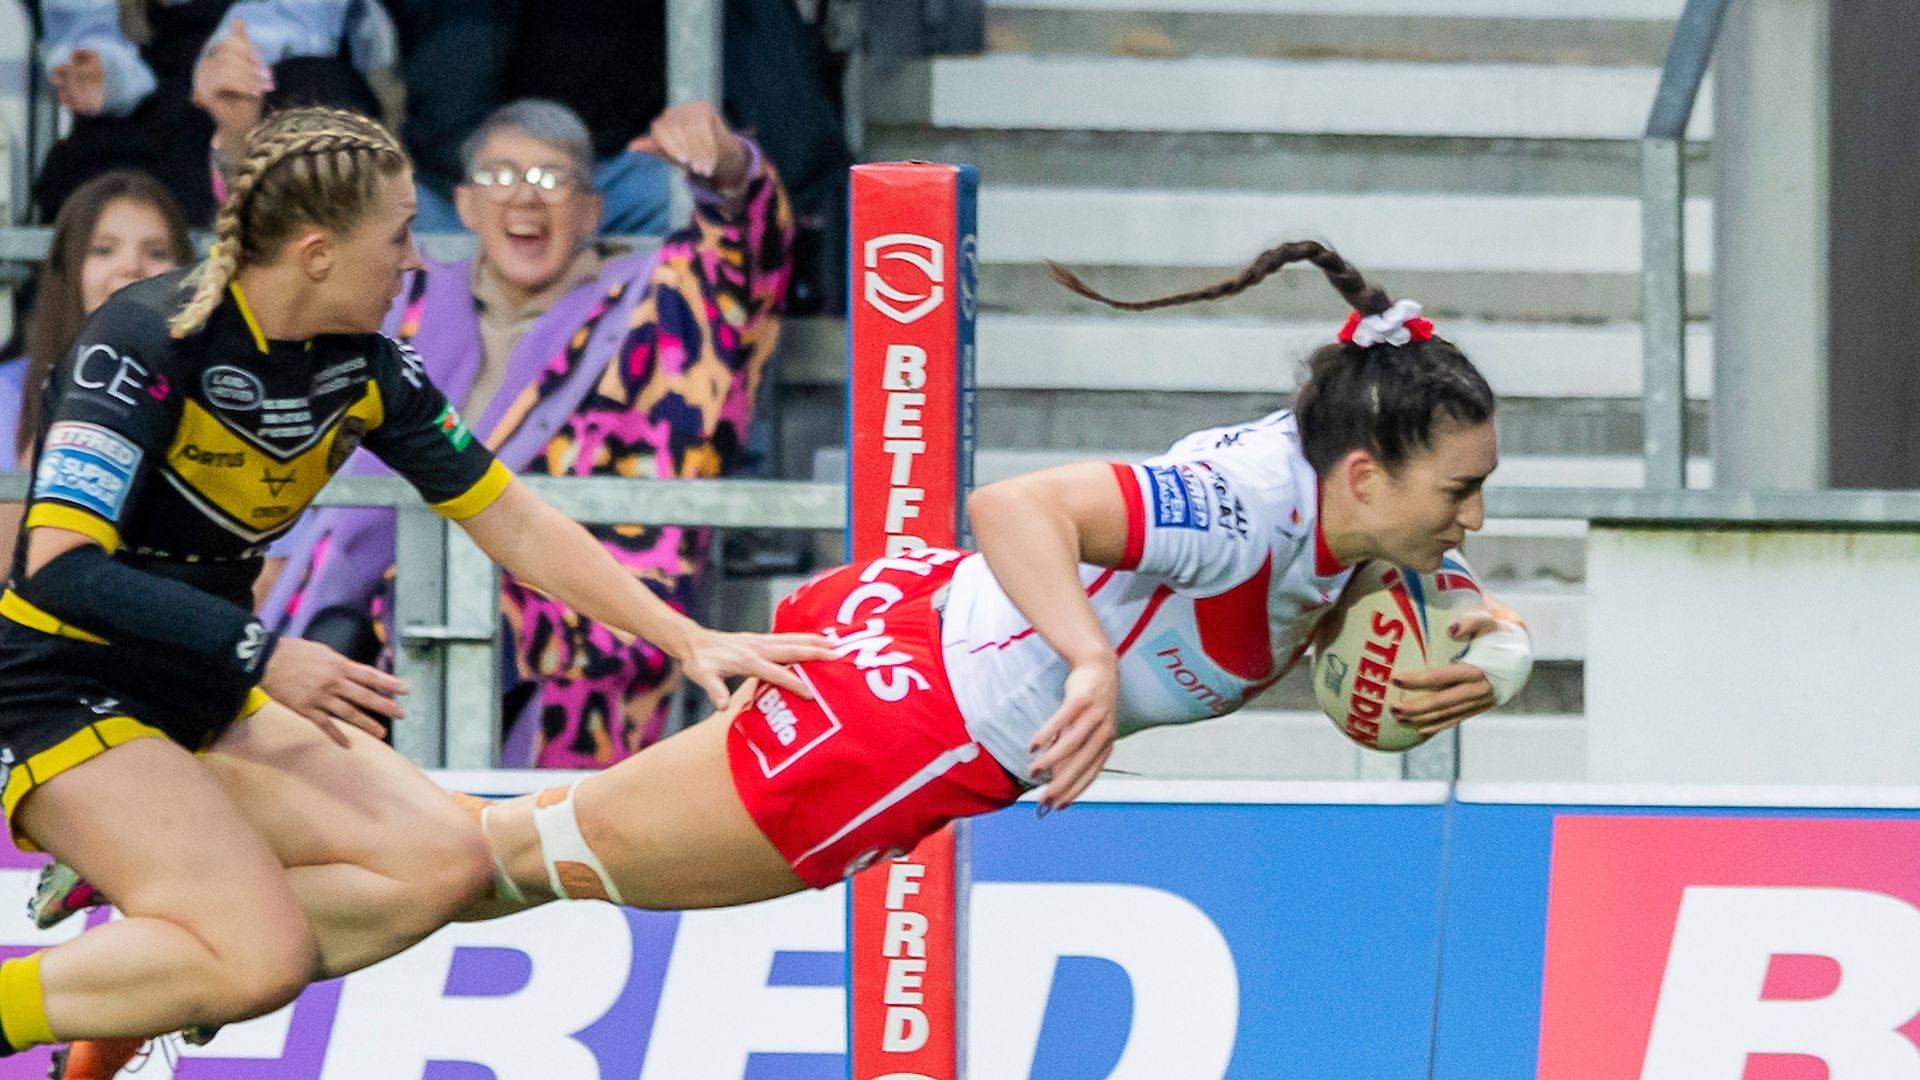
{"x": 1179, "y": 498}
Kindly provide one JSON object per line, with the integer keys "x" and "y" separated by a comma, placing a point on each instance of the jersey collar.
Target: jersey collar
{"x": 1324, "y": 564}
{"x": 253, "y": 324}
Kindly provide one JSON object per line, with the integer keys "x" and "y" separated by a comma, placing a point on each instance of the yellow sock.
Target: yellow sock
{"x": 23, "y": 1003}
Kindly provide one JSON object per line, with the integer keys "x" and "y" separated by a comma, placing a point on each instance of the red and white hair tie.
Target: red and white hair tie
{"x": 1400, "y": 324}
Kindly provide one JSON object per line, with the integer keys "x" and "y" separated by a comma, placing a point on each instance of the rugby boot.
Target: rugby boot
{"x": 61, "y": 893}
{"x": 94, "y": 1059}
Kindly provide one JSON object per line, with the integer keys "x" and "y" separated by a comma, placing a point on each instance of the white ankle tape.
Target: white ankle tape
{"x": 561, "y": 842}
{"x": 504, "y": 887}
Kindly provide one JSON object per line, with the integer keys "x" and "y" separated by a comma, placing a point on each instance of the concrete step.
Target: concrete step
{"x": 1304, "y": 745}
{"x": 1068, "y": 425}
{"x": 1271, "y": 161}
{"x": 1527, "y": 550}
{"x": 1186, "y": 354}
{"x": 1284, "y": 30}
{"x": 1542, "y": 10}
{"x": 1544, "y": 470}
{"x": 1349, "y": 97}
{"x": 1089, "y": 421}
{"x": 1503, "y": 296}
{"x": 1459, "y": 233}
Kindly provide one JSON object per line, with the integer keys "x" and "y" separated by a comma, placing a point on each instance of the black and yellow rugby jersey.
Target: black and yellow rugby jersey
{"x": 188, "y": 457}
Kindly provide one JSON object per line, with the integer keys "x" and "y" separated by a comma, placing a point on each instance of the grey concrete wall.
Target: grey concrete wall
{"x": 1769, "y": 426}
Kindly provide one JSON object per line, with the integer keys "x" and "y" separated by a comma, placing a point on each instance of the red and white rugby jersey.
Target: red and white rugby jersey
{"x": 1225, "y": 574}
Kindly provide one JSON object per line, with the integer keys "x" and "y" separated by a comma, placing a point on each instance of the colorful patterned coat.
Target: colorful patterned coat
{"x": 673, "y": 398}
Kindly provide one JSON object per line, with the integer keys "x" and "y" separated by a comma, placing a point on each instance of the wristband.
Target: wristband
{"x": 1506, "y": 655}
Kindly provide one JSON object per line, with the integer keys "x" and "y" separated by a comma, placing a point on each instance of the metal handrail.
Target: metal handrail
{"x": 446, "y": 594}
{"x": 1663, "y": 268}
{"x": 25, "y": 246}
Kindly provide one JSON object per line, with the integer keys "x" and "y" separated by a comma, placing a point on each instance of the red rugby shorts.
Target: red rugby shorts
{"x": 880, "y": 758}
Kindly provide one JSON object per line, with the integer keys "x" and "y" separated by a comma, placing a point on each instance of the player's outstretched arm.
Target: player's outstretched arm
{"x": 1035, "y": 531}
{"x": 549, "y": 550}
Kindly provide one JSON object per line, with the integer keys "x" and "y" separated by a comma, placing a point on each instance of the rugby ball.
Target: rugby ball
{"x": 1391, "y": 621}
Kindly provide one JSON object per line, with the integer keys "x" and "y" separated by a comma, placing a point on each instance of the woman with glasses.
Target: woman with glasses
{"x": 574, "y": 359}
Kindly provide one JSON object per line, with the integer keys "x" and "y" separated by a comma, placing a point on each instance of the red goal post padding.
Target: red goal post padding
{"x": 910, "y": 463}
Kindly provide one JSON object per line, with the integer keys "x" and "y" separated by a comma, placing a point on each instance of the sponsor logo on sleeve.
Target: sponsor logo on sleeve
{"x": 1229, "y": 511}
{"x": 1179, "y": 498}
{"x": 88, "y": 466}
{"x": 247, "y": 651}
{"x": 99, "y": 367}
{"x": 454, "y": 428}
{"x": 412, "y": 368}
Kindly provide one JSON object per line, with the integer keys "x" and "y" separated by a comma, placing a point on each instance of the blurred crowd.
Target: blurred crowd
{"x": 573, "y": 350}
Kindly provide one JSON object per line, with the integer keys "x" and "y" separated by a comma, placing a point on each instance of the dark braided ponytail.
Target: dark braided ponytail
{"x": 1385, "y": 399}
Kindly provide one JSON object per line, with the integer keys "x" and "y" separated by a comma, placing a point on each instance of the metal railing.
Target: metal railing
{"x": 446, "y": 596}
{"x": 447, "y": 593}
{"x": 1663, "y": 267}
{"x": 22, "y": 247}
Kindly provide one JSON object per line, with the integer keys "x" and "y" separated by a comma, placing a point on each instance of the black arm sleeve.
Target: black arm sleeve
{"x": 90, "y": 590}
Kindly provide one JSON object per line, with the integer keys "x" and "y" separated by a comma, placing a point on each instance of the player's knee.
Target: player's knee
{"x": 262, "y": 974}
{"x": 450, "y": 868}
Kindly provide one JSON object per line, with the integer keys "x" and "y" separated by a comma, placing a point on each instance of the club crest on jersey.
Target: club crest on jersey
{"x": 345, "y": 440}
{"x": 1179, "y": 497}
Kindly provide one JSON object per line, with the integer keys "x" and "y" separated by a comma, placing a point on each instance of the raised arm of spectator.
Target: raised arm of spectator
{"x": 740, "y": 240}
{"x": 277, "y": 29}
{"x": 95, "y": 69}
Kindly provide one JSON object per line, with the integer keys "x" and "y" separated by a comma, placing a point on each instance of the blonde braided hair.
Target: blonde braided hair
{"x": 303, "y": 166}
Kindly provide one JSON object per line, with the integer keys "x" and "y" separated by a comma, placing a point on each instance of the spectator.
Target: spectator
{"x": 607, "y": 61}
{"x": 604, "y": 59}
{"x": 117, "y": 228}
{"x": 576, "y": 361}
{"x": 147, "y": 81}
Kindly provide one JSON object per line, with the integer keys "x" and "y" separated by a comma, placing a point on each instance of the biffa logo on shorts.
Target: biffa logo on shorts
{"x": 928, "y": 256}
{"x": 779, "y": 736}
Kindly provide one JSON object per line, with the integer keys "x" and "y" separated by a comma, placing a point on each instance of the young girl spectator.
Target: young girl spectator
{"x": 117, "y": 228}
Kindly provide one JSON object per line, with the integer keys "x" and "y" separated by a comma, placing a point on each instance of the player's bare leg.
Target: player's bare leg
{"x": 146, "y": 822}
{"x": 665, "y": 825}
{"x": 378, "y": 855}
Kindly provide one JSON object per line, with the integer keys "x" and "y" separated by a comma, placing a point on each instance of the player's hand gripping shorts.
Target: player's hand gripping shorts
{"x": 881, "y": 758}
